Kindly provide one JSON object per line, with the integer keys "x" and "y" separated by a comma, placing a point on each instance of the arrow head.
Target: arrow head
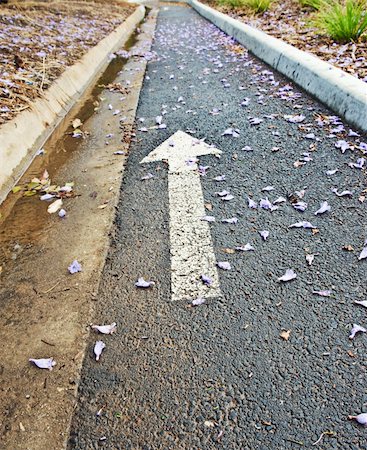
{"x": 180, "y": 147}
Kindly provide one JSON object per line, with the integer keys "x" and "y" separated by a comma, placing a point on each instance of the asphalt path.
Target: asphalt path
{"x": 269, "y": 364}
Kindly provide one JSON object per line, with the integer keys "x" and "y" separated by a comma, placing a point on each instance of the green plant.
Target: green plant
{"x": 258, "y": 6}
{"x": 314, "y": 4}
{"x": 343, "y": 21}
{"x": 231, "y": 3}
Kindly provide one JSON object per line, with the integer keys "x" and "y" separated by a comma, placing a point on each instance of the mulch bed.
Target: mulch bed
{"x": 289, "y": 21}
{"x": 39, "y": 40}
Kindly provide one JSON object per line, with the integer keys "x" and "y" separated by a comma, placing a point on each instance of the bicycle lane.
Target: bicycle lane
{"x": 261, "y": 363}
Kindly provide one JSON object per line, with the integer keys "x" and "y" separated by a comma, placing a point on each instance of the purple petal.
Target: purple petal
{"x": 341, "y": 194}
{"x": 324, "y": 207}
{"x": 264, "y": 234}
{"x": 265, "y": 203}
{"x": 361, "y": 302}
{"x": 309, "y": 259}
{"x": 224, "y": 265}
{"x": 222, "y": 193}
{"x": 302, "y": 225}
{"x": 232, "y": 220}
{"x": 288, "y": 276}
{"x": 279, "y": 200}
{"x": 148, "y": 176}
{"x": 220, "y": 178}
{"x": 363, "y": 254}
{"x": 322, "y": 293}
{"x": 356, "y": 329}
{"x": 198, "y": 301}
{"x": 75, "y": 267}
{"x": 46, "y": 197}
{"x": 331, "y": 172}
{"x": 141, "y": 283}
{"x": 98, "y": 349}
{"x": 251, "y": 203}
{"x": 228, "y": 197}
{"x": 268, "y": 188}
{"x": 62, "y": 213}
{"x": 247, "y": 148}
{"x": 208, "y": 218}
{"x": 361, "y": 418}
{"x": 206, "y": 280}
{"x": 294, "y": 118}
{"x": 300, "y": 206}
{"x": 44, "y": 363}
{"x": 105, "y": 329}
{"x": 245, "y": 248}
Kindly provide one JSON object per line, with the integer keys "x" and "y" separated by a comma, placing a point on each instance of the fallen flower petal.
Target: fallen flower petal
{"x": 220, "y": 178}
{"x": 361, "y": 302}
{"x": 224, "y": 265}
{"x": 331, "y": 172}
{"x": 341, "y": 194}
{"x": 98, "y": 349}
{"x": 227, "y": 197}
{"x": 208, "y": 218}
{"x": 288, "y": 276}
{"x": 324, "y": 207}
{"x": 309, "y": 259}
{"x": 268, "y": 188}
{"x": 322, "y": 293}
{"x": 302, "y": 225}
{"x": 245, "y": 248}
{"x": 206, "y": 280}
{"x": 148, "y": 176}
{"x": 279, "y": 200}
{"x": 62, "y": 213}
{"x": 300, "y": 206}
{"x": 141, "y": 283}
{"x": 232, "y": 220}
{"x": 222, "y": 193}
{"x": 55, "y": 206}
{"x": 264, "y": 234}
{"x": 105, "y": 329}
{"x": 251, "y": 203}
{"x": 356, "y": 329}
{"x": 46, "y": 197}
{"x": 75, "y": 267}
{"x": 361, "y": 419}
{"x": 44, "y": 363}
{"x": 265, "y": 203}
{"x": 198, "y": 301}
{"x": 363, "y": 254}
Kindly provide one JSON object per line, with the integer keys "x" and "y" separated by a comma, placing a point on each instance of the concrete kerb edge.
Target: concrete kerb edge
{"x": 340, "y": 91}
{"x": 21, "y": 137}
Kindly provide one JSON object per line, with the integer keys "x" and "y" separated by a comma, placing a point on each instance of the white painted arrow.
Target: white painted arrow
{"x": 192, "y": 253}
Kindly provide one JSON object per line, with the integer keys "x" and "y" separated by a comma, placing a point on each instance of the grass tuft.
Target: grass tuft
{"x": 342, "y": 21}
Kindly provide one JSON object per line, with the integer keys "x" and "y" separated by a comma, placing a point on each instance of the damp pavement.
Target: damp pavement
{"x": 268, "y": 365}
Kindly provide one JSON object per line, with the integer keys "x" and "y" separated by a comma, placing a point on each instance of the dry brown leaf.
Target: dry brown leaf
{"x": 315, "y": 231}
{"x": 285, "y": 334}
{"x": 230, "y": 251}
{"x": 208, "y": 206}
{"x": 351, "y": 354}
{"x": 348, "y": 248}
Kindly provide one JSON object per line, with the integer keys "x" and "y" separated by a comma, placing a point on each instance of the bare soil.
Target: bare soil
{"x": 289, "y": 21}
{"x": 39, "y": 39}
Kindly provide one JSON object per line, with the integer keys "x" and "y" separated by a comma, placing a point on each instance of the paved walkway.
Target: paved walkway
{"x": 268, "y": 364}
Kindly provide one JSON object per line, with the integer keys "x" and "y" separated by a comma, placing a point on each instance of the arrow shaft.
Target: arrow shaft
{"x": 191, "y": 244}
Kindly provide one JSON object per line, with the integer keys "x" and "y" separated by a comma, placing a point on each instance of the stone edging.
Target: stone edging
{"x": 21, "y": 137}
{"x": 340, "y": 91}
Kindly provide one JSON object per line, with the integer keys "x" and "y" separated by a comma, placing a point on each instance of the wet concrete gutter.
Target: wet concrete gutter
{"x": 25, "y": 134}
{"x": 46, "y": 311}
{"x": 343, "y": 93}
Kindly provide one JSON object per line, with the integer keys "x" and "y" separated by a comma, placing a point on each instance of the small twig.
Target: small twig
{"x": 49, "y": 290}
{"x": 48, "y": 343}
{"x": 43, "y": 72}
{"x": 325, "y": 433}
{"x": 295, "y": 442}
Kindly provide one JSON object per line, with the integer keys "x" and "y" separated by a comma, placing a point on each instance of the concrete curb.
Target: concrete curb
{"x": 341, "y": 92}
{"x": 26, "y": 133}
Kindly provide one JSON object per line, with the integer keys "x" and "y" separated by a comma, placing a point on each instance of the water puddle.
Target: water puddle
{"x": 23, "y": 220}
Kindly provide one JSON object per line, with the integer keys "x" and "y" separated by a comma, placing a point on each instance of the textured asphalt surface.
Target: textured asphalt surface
{"x": 219, "y": 375}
